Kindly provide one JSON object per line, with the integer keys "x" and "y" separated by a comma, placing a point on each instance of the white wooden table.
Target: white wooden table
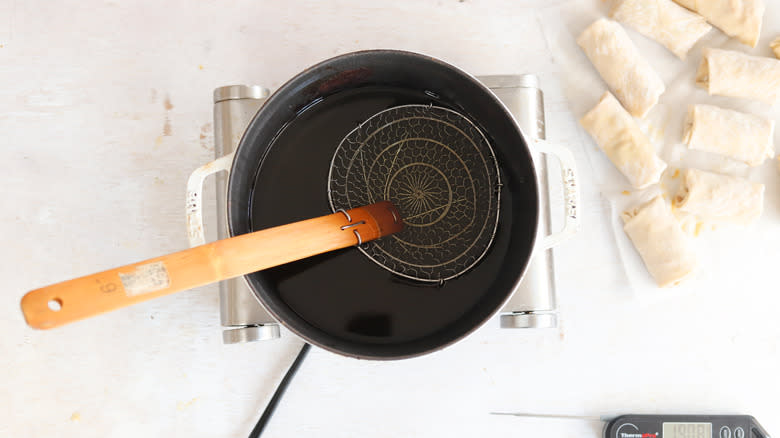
{"x": 105, "y": 109}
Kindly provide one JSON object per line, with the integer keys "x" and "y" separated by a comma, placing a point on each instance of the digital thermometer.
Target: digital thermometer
{"x": 670, "y": 426}
{"x": 684, "y": 426}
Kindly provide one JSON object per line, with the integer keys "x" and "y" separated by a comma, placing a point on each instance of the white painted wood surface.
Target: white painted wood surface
{"x": 105, "y": 109}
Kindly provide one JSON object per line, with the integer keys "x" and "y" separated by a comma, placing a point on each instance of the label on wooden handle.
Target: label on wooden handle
{"x": 146, "y": 278}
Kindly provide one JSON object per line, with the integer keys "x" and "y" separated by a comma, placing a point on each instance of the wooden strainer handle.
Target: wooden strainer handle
{"x": 71, "y": 300}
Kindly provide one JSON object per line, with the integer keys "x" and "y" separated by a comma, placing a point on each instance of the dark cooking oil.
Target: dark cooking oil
{"x": 343, "y": 292}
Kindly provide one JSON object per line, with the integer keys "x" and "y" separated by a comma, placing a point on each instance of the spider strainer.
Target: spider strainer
{"x": 439, "y": 170}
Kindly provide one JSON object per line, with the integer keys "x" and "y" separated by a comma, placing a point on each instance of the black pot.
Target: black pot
{"x": 342, "y": 302}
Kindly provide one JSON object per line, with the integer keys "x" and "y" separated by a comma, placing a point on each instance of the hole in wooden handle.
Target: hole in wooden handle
{"x": 55, "y": 304}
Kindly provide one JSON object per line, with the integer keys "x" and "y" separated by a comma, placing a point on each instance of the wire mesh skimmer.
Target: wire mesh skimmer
{"x": 440, "y": 171}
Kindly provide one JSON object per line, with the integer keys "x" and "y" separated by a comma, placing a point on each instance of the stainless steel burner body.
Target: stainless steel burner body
{"x": 533, "y": 303}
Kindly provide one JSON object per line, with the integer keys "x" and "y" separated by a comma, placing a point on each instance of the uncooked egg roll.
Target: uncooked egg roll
{"x": 675, "y": 27}
{"x": 740, "y": 136}
{"x": 735, "y": 74}
{"x": 717, "y": 198}
{"x": 740, "y": 19}
{"x": 619, "y": 136}
{"x": 656, "y": 234}
{"x": 775, "y": 46}
{"x": 621, "y": 66}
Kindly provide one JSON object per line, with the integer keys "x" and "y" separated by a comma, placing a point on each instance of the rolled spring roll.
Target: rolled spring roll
{"x": 690, "y": 4}
{"x": 735, "y": 74}
{"x": 657, "y": 236}
{"x": 740, "y": 19}
{"x": 740, "y": 136}
{"x": 621, "y": 66}
{"x": 775, "y": 46}
{"x": 675, "y": 27}
{"x": 720, "y": 198}
{"x": 619, "y": 136}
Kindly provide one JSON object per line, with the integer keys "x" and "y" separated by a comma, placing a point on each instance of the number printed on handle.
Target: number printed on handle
{"x": 108, "y": 287}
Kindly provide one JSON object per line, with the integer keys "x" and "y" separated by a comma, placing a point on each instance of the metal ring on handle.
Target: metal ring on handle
{"x": 341, "y": 210}
{"x": 194, "y": 207}
{"x": 344, "y": 227}
{"x": 357, "y": 233}
{"x": 571, "y": 194}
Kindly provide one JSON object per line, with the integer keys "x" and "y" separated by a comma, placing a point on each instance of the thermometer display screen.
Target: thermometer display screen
{"x": 687, "y": 430}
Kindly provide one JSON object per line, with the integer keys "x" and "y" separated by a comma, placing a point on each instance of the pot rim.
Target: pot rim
{"x": 507, "y": 114}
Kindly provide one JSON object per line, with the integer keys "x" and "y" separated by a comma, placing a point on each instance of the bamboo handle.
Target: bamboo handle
{"x": 71, "y": 300}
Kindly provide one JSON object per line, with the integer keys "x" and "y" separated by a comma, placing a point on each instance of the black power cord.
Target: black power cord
{"x": 271, "y": 406}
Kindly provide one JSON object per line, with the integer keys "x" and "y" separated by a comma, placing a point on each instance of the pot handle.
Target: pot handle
{"x": 571, "y": 193}
{"x": 195, "y": 197}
